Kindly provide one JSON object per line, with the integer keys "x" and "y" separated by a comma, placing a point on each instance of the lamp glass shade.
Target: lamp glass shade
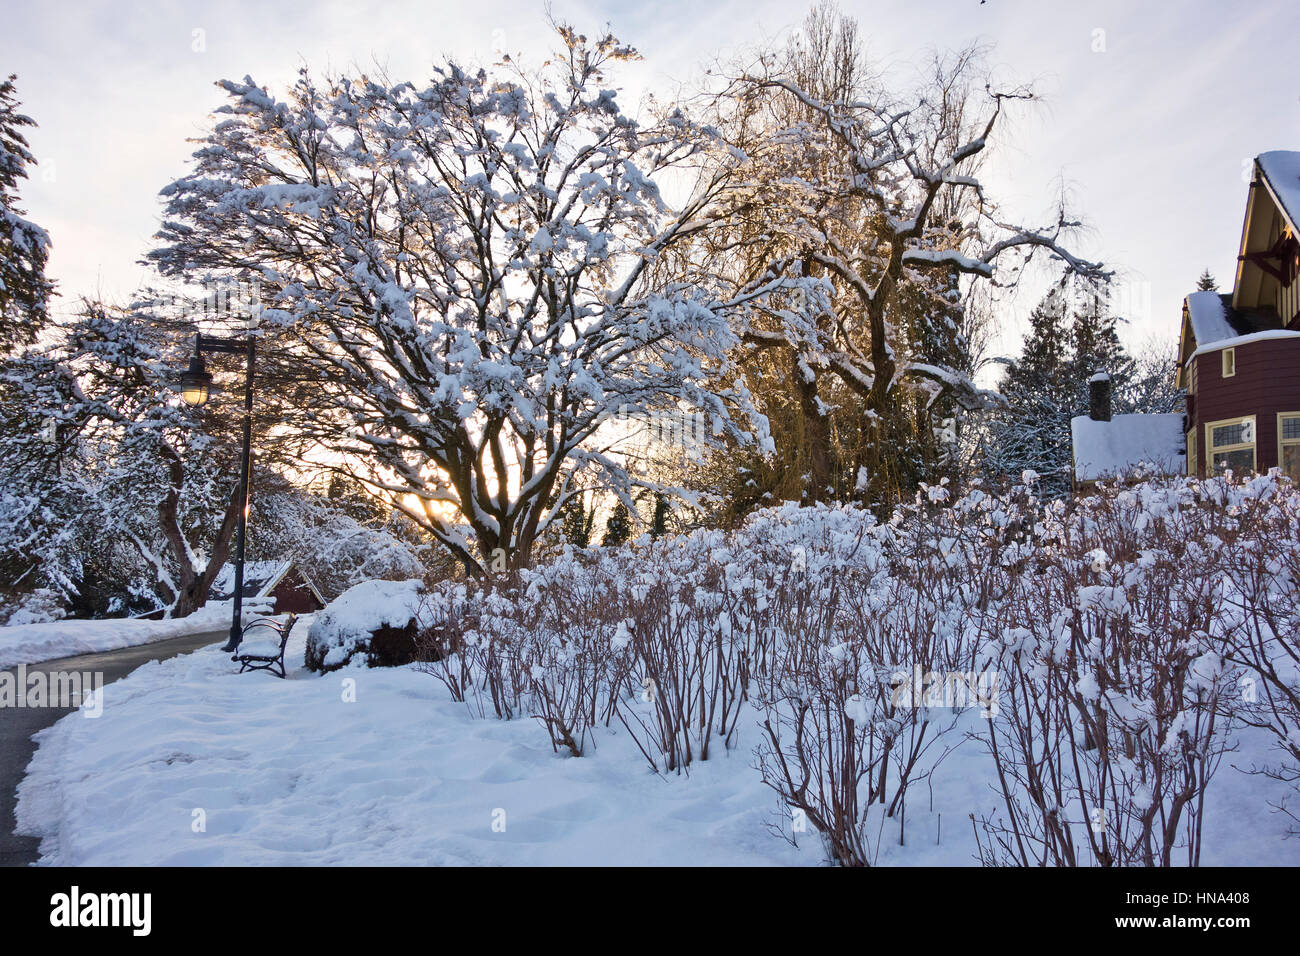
{"x": 195, "y": 394}
{"x": 195, "y": 383}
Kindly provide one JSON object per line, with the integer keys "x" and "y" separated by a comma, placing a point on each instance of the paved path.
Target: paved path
{"x": 17, "y": 724}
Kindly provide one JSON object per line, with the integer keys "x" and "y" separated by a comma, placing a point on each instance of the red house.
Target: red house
{"x": 1239, "y": 354}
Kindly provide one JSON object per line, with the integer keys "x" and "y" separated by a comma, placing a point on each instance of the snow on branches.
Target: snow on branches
{"x": 881, "y": 197}
{"x": 459, "y": 270}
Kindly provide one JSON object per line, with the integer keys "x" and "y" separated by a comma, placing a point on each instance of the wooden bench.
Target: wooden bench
{"x": 262, "y": 654}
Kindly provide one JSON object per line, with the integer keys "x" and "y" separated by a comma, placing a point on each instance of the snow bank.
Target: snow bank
{"x": 31, "y": 643}
{"x": 344, "y": 627}
{"x": 369, "y": 766}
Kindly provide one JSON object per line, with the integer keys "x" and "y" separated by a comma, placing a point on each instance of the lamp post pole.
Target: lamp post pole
{"x": 195, "y": 389}
{"x": 241, "y": 528}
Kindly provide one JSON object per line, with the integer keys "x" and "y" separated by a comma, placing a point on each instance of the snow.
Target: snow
{"x": 290, "y": 773}
{"x": 1208, "y": 314}
{"x": 305, "y": 772}
{"x": 346, "y": 622}
{"x": 1238, "y": 340}
{"x": 31, "y": 643}
{"x": 1282, "y": 170}
{"x": 196, "y": 764}
{"x": 1117, "y": 447}
{"x": 257, "y": 574}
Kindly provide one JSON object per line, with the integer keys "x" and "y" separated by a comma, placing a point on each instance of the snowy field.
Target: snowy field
{"x": 192, "y": 764}
{"x": 30, "y": 643}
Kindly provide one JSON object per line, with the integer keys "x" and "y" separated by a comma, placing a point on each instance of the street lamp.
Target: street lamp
{"x": 196, "y": 388}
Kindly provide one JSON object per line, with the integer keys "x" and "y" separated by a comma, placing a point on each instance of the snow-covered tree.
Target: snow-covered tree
{"x": 618, "y": 526}
{"x": 458, "y": 278}
{"x": 876, "y": 196}
{"x": 24, "y": 246}
{"x": 325, "y": 535}
{"x": 99, "y": 439}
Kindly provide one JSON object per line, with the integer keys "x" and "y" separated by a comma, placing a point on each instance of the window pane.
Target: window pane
{"x": 1291, "y": 462}
{"x": 1230, "y": 435}
{"x": 1240, "y": 461}
{"x": 1290, "y": 426}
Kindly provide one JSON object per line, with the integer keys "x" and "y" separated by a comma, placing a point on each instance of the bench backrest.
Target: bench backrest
{"x": 283, "y": 629}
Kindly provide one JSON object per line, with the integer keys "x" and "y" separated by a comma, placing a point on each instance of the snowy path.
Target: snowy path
{"x": 17, "y": 724}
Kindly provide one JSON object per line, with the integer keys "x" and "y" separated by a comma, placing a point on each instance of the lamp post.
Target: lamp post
{"x": 196, "y": 388}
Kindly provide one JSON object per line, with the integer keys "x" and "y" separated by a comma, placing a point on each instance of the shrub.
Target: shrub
{"x": 1101, "y": 650}
{"x": 377, "y": 620}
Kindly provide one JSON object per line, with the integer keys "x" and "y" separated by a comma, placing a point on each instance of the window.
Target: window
{"x": 1191, "y": 452}
{"x": 1230, "y": 445}
{"x": 1288, "y": 444}
{"x": 1229, "y": 363}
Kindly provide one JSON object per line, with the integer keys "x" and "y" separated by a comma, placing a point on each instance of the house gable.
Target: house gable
{"x": 1268, "y": 257}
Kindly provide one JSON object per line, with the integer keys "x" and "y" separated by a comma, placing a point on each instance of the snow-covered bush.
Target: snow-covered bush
{"x": 36, "y": 607}
{"x": 1101, "y": 649}
{"x": 1116, "y": 653}
{"x": 375, "y": 619}
{"x": 1261, "y": 626}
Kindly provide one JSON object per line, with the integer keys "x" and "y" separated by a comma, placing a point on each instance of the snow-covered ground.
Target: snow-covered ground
{"x": 30, "y": 643}
{"x": 192, "y": 764}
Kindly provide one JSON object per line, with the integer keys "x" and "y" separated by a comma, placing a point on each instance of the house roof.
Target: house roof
{"x": 1272, "y": 211}
{"x": 1214, "y": 320}
{"x": 1211, "y": 322}
{"x": 260, "y": 579}
{"x": 1208, "y": 312}
{"x": 1281, "y": 172}
{"x": 1114, "y": 448}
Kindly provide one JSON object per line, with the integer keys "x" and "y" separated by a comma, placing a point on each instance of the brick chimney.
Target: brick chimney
{"x": 1099, "y": 397}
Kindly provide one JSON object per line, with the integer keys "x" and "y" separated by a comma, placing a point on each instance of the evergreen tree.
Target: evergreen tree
{"x": 1034, "y": 431}
{"x": 576, "y": 522}
{"x": 618, "y": 527}
{"x": 1073, "y": 335}
{"x": 659, "y": 523}
{"x": 1095, "y": 347}
{"x": 1207, "y": 283}
{"x": 24, "y": 246}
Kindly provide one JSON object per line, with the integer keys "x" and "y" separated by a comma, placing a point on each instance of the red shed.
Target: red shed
{"x": 283, "y": 581}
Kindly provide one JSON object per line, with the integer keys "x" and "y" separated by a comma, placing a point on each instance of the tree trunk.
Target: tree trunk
{"x": 816, "y": 434}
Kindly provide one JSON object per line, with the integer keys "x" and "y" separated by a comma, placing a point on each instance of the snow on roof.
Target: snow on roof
{"x": 1237, "y": 340}
{"x": 259, "y": 577}
{"x": 1113, "y": 448}
{"x": 1208, "y": 313}
{"x": 1282, "y": 170}
{"x": 1100, "y": 377}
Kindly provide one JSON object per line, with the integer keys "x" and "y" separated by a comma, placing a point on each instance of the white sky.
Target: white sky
{"x": 1151, "y": 135}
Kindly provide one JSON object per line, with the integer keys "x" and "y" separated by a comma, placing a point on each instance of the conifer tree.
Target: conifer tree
{"x": 24, "y": 246}
{"x": 618, "y": 528}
